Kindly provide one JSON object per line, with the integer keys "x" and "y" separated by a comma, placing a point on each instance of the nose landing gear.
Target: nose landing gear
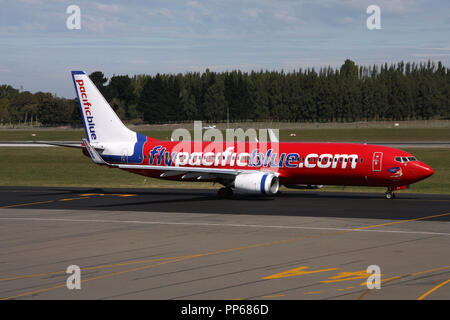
{"x": 390, "y": 191}
{"x": 389, "y": 194}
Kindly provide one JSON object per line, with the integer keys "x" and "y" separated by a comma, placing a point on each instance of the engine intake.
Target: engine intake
{"x": 258, "y": 182}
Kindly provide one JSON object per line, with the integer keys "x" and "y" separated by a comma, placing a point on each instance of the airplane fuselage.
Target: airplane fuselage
{"x": 348, "y": 164}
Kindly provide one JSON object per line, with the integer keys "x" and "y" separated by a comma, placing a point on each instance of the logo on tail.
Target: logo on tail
{"x": 87, "y": 110}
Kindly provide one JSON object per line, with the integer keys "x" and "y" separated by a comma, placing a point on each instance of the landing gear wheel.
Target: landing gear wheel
{"x": 389, "y": 195}
{"x": 225, "y": 193}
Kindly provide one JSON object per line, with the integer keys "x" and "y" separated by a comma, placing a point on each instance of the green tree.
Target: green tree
{"x": 52, "y": 111}
{"x": 4, "y": 112}
{"x": 215, "y": 103}
{"x": 99, "y": 79}
{"x": 188, "y": 103}
{"x": 6, "y": 91}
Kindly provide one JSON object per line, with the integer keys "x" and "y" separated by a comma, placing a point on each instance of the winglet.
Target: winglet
{"x": 93, "y": 153}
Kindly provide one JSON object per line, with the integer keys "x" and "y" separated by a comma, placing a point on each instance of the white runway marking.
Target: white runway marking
{"x": 204, "y": 224}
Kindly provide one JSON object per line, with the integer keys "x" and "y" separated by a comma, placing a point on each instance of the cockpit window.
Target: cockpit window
{"x": 405, "y": 159}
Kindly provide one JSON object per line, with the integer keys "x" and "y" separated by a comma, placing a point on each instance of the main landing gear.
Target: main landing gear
{"x": 225, "y": 193}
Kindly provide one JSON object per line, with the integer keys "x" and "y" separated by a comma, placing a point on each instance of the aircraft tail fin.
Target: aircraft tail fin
{"x": 101, "y": 123}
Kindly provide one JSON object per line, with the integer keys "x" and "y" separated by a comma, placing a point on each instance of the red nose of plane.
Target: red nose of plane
{"x": 422, "y": 170}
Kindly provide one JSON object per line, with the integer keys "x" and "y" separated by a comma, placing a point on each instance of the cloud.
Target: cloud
{"x": 26, "y": 27}
{"x": 253, "y": 12}
{"x": 109, "y": 8}
{"x": 428, "y": 55}
{"x": 163, "y": 12}
{"x": 398, "y": 6}
{"x": 389, "y": 6}
{"x": 200, "y": 7}
{"x": 346, "y": 20}
{"x": 32, "y": 2}
{"x": 101, "y": 24}
{"x": 440, "y": 48}
{"x": 285, "y": 16}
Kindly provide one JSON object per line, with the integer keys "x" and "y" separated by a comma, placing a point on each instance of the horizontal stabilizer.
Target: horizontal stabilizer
{"x": 59, "y": 144}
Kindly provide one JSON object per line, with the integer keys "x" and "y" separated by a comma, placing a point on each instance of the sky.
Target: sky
{"x": 38, "y": 50}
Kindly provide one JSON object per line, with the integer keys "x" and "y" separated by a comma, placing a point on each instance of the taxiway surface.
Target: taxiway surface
{"x": 188, "y": 244}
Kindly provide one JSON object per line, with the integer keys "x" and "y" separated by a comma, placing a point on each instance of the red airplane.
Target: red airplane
{"x": 245, "y": 167}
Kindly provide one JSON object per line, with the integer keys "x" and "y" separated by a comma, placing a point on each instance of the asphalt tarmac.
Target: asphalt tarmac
{"x": 188, "y": 244}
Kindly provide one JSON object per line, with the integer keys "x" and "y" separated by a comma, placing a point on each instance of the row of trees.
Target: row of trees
{"x": 401, "y": 91}
{"x": 350, "y": 93}
{"x": 41, "y": 108}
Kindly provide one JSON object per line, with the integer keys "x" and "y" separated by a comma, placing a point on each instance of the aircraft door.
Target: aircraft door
{"x": 377, "y": 161}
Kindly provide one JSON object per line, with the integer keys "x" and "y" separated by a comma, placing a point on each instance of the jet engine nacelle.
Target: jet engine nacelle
{"x": 258, "y": 182}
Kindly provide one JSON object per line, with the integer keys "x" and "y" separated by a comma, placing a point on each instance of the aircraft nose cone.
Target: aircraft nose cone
{"x": 424, "y": 170}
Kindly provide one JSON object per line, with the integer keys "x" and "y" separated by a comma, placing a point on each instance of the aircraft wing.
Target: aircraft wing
{"x": 187, "y": 172}
{"x": 199, "y": 173}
